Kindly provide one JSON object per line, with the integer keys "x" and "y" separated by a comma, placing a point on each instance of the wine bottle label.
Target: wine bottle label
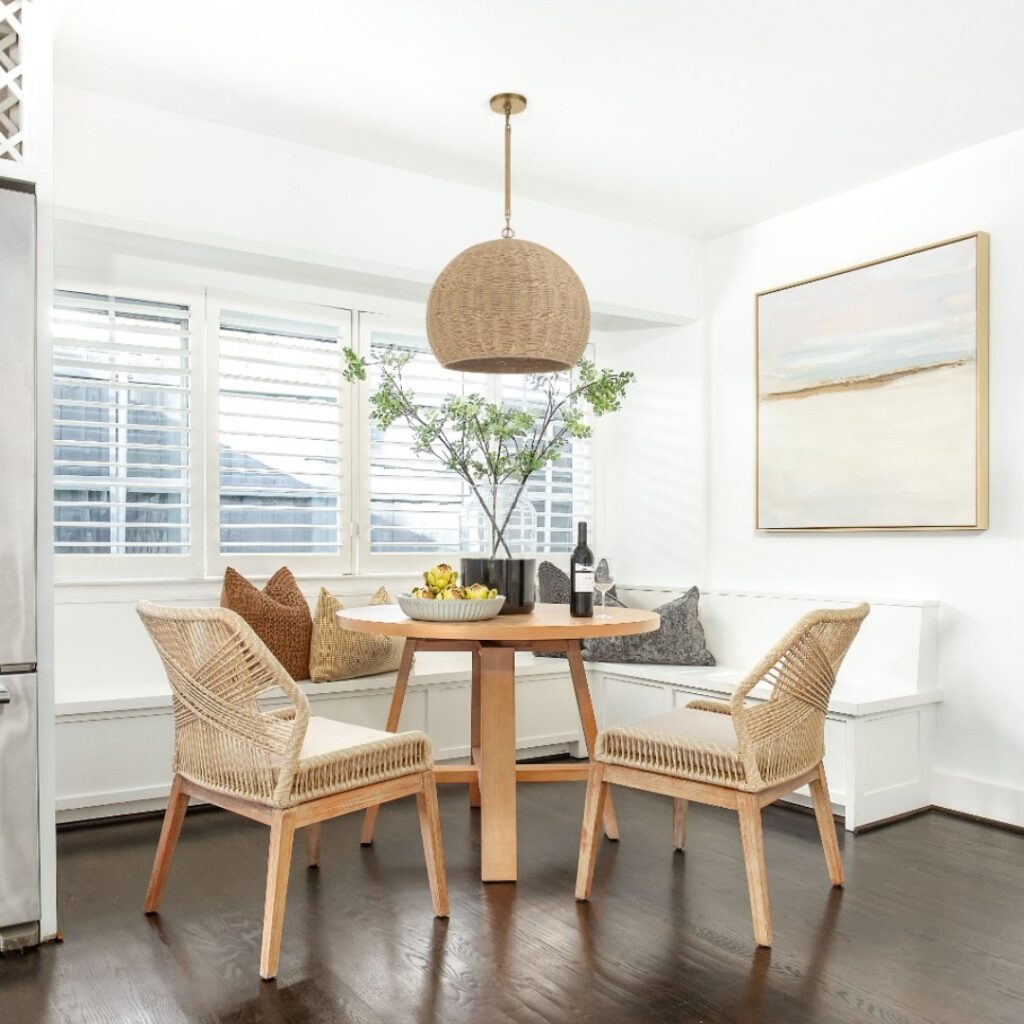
{"x": 584, "y": 583}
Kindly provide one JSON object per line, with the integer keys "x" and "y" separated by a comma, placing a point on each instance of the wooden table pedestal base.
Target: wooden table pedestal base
{"x": 493, "y": 773}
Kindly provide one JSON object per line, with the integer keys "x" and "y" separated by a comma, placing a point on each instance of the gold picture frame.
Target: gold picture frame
{"x": 894, "y": 372}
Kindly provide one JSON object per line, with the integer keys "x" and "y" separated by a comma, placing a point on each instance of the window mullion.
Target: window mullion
{"x": 347, "y": 516}
{"x": 119, "y": 493}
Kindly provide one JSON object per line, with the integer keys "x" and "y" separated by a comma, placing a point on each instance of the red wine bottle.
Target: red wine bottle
{"x": 581, "y": 577}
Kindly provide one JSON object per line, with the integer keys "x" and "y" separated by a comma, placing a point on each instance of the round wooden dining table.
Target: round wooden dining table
{"x": 493, "y": 773}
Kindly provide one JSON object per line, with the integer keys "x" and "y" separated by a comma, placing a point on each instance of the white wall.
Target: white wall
{"x": 675, "y": 479}
{"x": 977, "y": 577}
{"x": 118, "y": 162}
{"x": 651, "y": 492}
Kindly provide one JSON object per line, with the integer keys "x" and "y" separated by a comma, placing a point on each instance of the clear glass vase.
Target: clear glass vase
{"x": 499, "y": 525}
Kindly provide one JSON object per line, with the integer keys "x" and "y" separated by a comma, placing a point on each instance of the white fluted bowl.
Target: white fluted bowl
{"x": 434, "y": 610}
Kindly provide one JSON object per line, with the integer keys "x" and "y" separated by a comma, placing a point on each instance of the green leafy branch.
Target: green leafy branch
{"x": 485, "y": 443}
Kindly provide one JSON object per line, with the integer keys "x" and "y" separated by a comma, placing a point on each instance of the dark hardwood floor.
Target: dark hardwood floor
{"x": 929, "y": 929}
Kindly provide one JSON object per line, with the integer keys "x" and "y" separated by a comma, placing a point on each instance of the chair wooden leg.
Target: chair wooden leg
{"x": 394, "y": 717}
{"x": 827, "y": 827}
{"x": 282, "y": 835}
{"x": 753, "y": 858}
{"x": 680, "y": 812}
{"x": 313, "y": 844}
{"x": 474, "y": 729}
{"x": 173, "y": 818}
{"x": 589, "y": 723}
{"x": 433, "y": 844}
{"x": 593, "y": 811}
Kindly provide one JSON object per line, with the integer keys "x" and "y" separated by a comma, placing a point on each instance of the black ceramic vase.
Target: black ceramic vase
{"x": 516, "y": 578}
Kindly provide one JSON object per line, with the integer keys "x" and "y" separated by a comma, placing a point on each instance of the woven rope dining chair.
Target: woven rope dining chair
{"x": 734, "y": 755}
{"x": 284, "y": 768}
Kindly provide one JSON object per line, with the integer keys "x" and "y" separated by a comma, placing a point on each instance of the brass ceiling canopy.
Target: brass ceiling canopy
{"x": 516, "y": 103}
{"x": 508, "y": 305}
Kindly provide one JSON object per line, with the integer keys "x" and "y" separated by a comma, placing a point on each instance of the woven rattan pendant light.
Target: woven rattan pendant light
{"x": 508, "y": 305}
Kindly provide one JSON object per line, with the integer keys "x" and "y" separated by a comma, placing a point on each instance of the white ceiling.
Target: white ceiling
{"x": 696, "y": 116}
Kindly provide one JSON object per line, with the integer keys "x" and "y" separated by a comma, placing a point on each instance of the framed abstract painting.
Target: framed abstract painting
{"x": 872, "y": 395}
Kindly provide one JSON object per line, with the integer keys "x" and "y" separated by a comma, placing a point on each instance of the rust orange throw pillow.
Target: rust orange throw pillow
{"x": 278, "y": 615}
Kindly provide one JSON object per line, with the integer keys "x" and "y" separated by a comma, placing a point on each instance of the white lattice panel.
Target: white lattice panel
{"x": 11, "y": 87}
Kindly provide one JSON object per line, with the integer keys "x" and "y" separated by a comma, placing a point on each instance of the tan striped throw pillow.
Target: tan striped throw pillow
{"x": 338, "y": 653}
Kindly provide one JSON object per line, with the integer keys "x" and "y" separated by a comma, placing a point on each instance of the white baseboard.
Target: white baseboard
{"x": 981, "y": 797}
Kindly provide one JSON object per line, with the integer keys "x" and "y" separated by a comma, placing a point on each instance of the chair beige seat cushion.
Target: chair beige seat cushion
{"x": 326, "y": 736}
{"x": 336, "y": 756}
{"x": 694, "y": 724}
{"x": 687, "y": 743}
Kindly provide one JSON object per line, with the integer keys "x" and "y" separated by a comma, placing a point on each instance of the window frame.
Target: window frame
{"x": 375, "y": 561}
{"x": 84, "y": 567}
{"x": 587, "y": 486}
{"x": 340, "y": 564}
{"x": 355, "y": 319}
{"x": 378, "y": 562}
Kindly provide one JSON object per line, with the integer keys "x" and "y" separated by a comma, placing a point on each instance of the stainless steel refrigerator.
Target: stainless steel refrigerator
{"x": 19, "y": 780}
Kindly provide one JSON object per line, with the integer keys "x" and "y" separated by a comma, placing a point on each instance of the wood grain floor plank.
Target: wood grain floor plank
{"x": 929, "y": 924}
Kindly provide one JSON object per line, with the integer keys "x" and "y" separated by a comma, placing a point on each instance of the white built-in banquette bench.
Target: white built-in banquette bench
{"x": 114, "y": 729}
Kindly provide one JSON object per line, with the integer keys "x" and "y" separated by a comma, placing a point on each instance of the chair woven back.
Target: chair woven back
{"x": 785, "y": 736}
{"x": 218, "y": 668}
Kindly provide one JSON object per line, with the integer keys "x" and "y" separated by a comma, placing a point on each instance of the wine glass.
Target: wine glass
{"x": 604, "y": 580}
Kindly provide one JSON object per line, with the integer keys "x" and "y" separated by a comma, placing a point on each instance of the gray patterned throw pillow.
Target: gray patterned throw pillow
{"x": 678, "y": 641}
{"x": 553, "y": 585}
{"x": 553, "y": 588}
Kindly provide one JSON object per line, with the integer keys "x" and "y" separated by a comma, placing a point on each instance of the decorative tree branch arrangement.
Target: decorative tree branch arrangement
{"x": 484, "y": 443}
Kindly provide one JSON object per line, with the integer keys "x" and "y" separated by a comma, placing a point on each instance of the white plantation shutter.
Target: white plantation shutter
{"x": 121, "y": 377}
{"x": 415, "y": 503}
{"x": 233, "y": 444}
{"x": 561, "y": 491}
{"x": 280, "y": 435}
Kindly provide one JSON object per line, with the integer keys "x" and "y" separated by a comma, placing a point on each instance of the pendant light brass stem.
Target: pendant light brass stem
{"x": 508, "y": 232}
{"x": 508, "y": 103}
